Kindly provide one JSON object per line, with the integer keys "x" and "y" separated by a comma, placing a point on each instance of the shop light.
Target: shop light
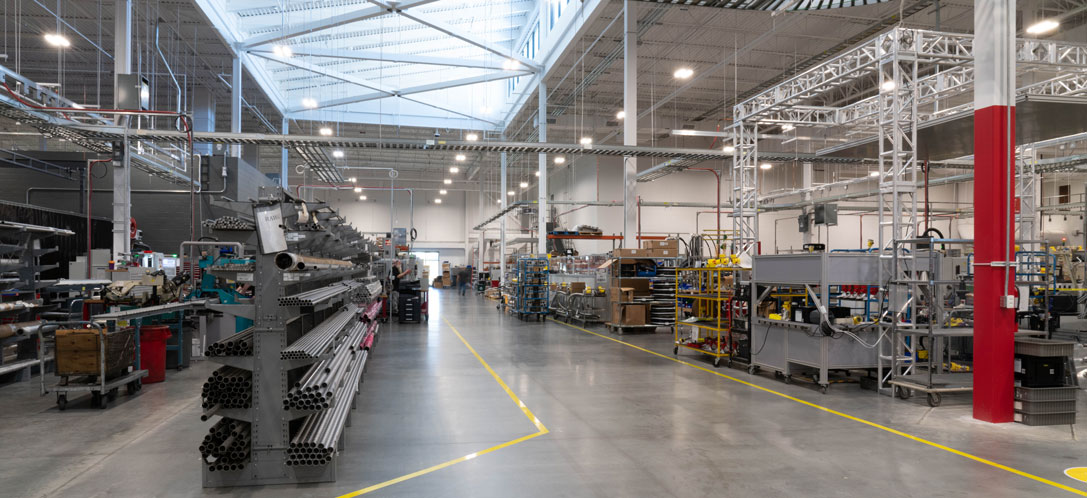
{"x": 728, "y": 149}
{"x": 358, "y": 190}
{"x": 447, "y": 181}
{"x": 471, "y": 137}
{"x": 766, "y": 166}
{"x": 524, "y": 184}
{"x": 586, "y": 140}
{"x": 454, "y": 169}
{"x": 338, "y": 154}
{"x": 461, "y": 157}
{"x": 560, "y": 160}
{"x": 283, "y": 51}
{"x": 620, "y": 115}
{"x": 683, "y": 73}
{"x": 57, "y": 40}
{"x": 325, "y": 131}
{"x": 309, "y": 103}
{"x": 443, "y": 191}
{"x": 362, "y": 197}
{"x": 437, "y": 201}
{"x": 1044, "y": 26}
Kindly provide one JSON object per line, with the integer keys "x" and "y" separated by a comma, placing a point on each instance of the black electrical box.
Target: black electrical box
{"x": 802, "y": 222}
{"x": 1039, "y": 371}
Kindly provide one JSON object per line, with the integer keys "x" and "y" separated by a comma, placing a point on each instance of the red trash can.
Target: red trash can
{"x": 153, "y": 352}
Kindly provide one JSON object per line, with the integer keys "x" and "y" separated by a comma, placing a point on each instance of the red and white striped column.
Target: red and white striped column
{"x": 994, "y": 189}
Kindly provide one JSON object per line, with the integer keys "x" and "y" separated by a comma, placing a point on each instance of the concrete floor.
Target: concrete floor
{"x": 622, "y": 422}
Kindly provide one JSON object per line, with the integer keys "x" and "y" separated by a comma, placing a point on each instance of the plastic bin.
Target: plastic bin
{"x": 1045, "y": 407}
{"x": 1034, "y": 346}
{"x": 153, "y": 352}
{"x": 1046, "y": 393}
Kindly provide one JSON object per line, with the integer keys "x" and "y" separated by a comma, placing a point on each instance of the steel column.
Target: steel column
{"x": 807, "y": 170}
{"x": 122, "y": 196}
{"x": 630, "y": 123}
{"x": 236, "y": 103}
{"x": 541, "y": 215}
{"x": 502, "y": 225}
{"x": 284, "y": 171}
{"x": 994, "y": 171}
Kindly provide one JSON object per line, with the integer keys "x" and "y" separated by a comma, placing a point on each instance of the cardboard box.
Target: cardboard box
{"x": 671, "y": 244}
{"x": 78, "y": 351}
{"x": 632, "y": 253}
{"x": 577, "y": 287}
{"x": 640, "y": 286}
{"x": 663, "y": 253}
{"x": 634, "y": 314}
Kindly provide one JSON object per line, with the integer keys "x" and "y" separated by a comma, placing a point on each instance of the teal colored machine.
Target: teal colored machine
{"x": 211, "y": 288}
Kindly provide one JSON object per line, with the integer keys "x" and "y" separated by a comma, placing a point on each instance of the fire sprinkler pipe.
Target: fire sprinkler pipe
{"x": 717, "y": 175}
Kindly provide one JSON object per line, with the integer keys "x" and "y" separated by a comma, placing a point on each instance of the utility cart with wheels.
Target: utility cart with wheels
{"x": 704, "y": 308}
{"x": 92, "y": 360}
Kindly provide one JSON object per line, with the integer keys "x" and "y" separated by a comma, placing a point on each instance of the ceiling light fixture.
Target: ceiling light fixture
{"x": 437, "y": 201}
{"x": 620, "y": 115}
{"x": 586, "y": 140}
{"x": 560, "y": 160}
{"x": 537, "y": 174}
{"x": 510, "y": 193}
{"x": 56, "y": 40}
{"x": 766, "y": 166}
{"x": 338, "y": 154}
{"x": 283, "y": 51}
{"x": 728, "y": 149}
{"x": 325, "y": 131}
{"x": 461, "y": 157}
{"x": 524, "y": 184}
{"x": 683, "y": 73}
{"x": 787, "y": 127}
{"x": 471, "y": 137}
{"x": 1043, "y": 26}
{"x": 499, "y": 201}
{"x": 352, "y": 179}
{"x": 447, "y": 181}
{"x": 362, "y": 197}
{"x": 888, "y": 85}
{"x": 509, "y": 65}
{"x": 443, "y": 191}
{"x": 358, "y": 190}
{"x": 309, "y": 103}
{"x": 454, "y": 169}
{"x": 874, "y": 173}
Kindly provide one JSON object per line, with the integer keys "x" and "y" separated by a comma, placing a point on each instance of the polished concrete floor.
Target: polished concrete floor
{"x": 620, "y": 422}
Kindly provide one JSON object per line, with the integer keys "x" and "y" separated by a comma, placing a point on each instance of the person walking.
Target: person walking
{"x": 464, "y": 278}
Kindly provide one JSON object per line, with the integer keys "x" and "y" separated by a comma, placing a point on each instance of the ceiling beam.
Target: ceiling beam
{"x": 429, "y": 87}
{"x": 368, "y": 55}
{"x": 327, "y": 23}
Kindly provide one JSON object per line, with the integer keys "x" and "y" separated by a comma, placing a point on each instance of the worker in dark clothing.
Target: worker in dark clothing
{"x": 396, "y": 275}
{"x": 463, "y": 278}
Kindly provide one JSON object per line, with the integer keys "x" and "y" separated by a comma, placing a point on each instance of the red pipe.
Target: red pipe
{"x": 717, "y": 240}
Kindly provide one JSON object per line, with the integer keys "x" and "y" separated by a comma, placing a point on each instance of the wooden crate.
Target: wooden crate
{"x": 78, "y": 351}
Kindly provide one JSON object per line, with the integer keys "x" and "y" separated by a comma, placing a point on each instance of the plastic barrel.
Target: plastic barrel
{"x": 153, "y": 352}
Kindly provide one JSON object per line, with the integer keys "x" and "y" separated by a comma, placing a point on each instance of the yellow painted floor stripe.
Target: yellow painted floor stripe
{"x": 843, "y": 415}
{"x": 540, "y": 430}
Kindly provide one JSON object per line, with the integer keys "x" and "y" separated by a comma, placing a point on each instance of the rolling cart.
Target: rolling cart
{"x": 102, "y": 389}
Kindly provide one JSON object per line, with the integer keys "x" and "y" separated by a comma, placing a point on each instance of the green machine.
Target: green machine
{"x": 215, "y": 287}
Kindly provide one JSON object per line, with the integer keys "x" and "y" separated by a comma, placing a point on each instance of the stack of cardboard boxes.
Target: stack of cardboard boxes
{"x": 621, "y": 297}
{"x": 651, "y": 249}
{"x": 447, "y": 276}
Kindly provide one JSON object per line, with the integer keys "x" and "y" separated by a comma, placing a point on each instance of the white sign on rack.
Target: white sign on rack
{"x": 270, "y": 229}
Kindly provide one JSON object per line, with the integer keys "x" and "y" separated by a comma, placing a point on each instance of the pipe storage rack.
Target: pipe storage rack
{"x": 788, "y": 345}
{"x": 288, "y": 384}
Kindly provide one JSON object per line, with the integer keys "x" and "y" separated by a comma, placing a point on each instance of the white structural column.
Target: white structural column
{"x": 502, "y": 222}
{"x": 805, "y": 237}
{"x": 236, "y": 103}
{"x": 630, "y": 123}
{"x": 122, "y": 184}
{"x": 541, "y": 207}
{"x": 284, "y": 171}
{"x": 482, "y": 231}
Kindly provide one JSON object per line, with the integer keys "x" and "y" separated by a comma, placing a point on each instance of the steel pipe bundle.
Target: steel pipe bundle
{"x": 315, "y": 442}
{"x": 289, "y": 261}
{"x": 21, "y": 328}
{"x": 316, "y": 296}
{"x": 228, "y": 387}
{"x": 229, "y": 223}
{"x": 15, "y": 305}
{"x": 315, "y": 390}
{"x": 320, "y": 338}
{"x": 240, "y": 344}
{"x": 226, "y": 446}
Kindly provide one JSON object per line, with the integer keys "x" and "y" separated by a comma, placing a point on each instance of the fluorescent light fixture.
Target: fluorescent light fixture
{"x": 728, "y": 149}
{"x": 283, "y": 51}
{"x": 471, "y": 137}
{"x": 537, "y": 174}
{"x": 620, "y": 115}
{"x": 888, "y": 85}
{"x": 447, "y": 181}
{"x": 309, "y": 103}
{"x": 683, "y": 73}
{"x": 437, "y": 201}
{"x": 443, "y": 191}
{"x": 362, "y": 197}
{"x": 461, "y": 157}
{"x": 524, "y": 184}
{"x": 510, "y": 193}
{"x": 145, "y": 93}
{"x": 1043, "y": 26}
{"x": 787, "y": 127}
{"x": 499, "y": 201}
{"x": 338, "y": 154}
{"x": 766, "y": 166}
{"x": 57, "y": 40}
{"x": 325, "y": 131}
{"x": 352, "y": 179}
{"x": 454, "y": 169}
{"x": 586, "y": 140}
{"x": 874, "y": 173}
{"x": 560, "y": 160}
{"x": 358, "y": 190}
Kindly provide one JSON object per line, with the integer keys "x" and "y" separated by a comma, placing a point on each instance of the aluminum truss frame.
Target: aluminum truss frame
{"x": 745, "y": 190}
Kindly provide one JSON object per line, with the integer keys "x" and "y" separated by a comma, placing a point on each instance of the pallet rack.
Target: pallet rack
{"x": 307, "y": 324}
{"x": 531, "y": 292}
{"x": 710, "y": 295}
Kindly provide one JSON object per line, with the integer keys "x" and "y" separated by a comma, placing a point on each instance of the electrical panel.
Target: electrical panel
{"x": 826, "y": 214}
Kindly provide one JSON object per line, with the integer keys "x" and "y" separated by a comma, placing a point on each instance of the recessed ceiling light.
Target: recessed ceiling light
{"x": 620, "y": 115}
{"x": 437, "y": 201}
{"x": 461, "y": 157}
{"x": 447, "y": 181}
{"x": 358, "y": 190}
{"x": 766, "y": 166}
{"x": 443, "y": 191}
{"x": 586, "y": 140}
{"x": 283, "y": 51}
{"x": 560, "y": 160}
{"x": 454, "y": 169}
{"x": 471, "y": 137}
{"x": 309, "y": 103}
{"x": 326, "y": 131}
{"x": 362, "y": 197}
{"x": 888, "y": 85}
{"x": 524, "y": 184}
{"x": 337, "y": 154}
{"x": 1043, "y": 26}
{"x": 728, "y": 149}
{"x": 683, "y": 73}
{"x": 57, "y": 40}
{"x": 510, "y": 193}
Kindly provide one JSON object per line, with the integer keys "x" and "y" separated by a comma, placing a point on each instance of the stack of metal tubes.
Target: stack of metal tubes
{"x": 229, "y": 223}
{"x": 316, "y": 389}
{"x": 318, "y": 340}
{"x": 240, "y": 344}
{"x": 315, "y": 442}
{"x": 228, "y": 387}
{"x": 320, "y": 295}
{"x": 226, "y": 447}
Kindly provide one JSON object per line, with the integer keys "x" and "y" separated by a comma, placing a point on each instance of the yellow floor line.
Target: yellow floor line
{"x": 843, "y": 415}
{"x": 540, "y": 430}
